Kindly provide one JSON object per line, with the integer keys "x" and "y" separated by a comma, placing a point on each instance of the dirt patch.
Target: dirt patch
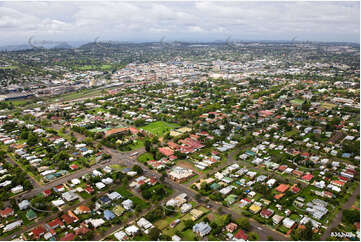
{"x": 187, "y": 164}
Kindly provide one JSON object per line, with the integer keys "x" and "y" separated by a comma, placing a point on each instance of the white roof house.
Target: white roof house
{"x": 288, "y": 223}
{"x": 75, "y": 181}
{"x": 12, "y": 225}
{"x": 271, "y": 182}
{"x": 17, "y": 189}
{"x": 107, "y": 181}
{"x": 176, "y": 238}
{"x": 99, "y": 185}
{"x": 277, "y": 219}
{"x": 143, "y": 223}
{"x": 131, "y": 230}
{"x": 96, "y": 173}
{"x": 202, "y": 229}
{"x": 96, "y": 222}
{"x": 120, "y": 235}
{"x": 58, "y": 203}
{"x": 24, "y": 204}
{"x": 69, "y": 196}
{"x": 127, "y": 204}
{"x": 186, "y": 207}
{"x": 114, "y": 196}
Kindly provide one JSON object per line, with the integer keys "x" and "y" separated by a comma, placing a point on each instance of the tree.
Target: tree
{"x": 137, "y": 169}
{"x": 139, "y": 122}
{"x": 228, "y": 219}
{"x": 154, "y": 233}
{"x": 217, "y": 196}
{"x": 165, "y": 237}
{"x": 147, "y": 145}
{"x": 244, "y": 224}
{"x": 188, "y": 224}
{"x": 253, "y": 236}
{"x": 350, "y": 216}
{"x": 32, "y": 139}
{"x": 305, "y": 233}
{"x": 146, "y": 194}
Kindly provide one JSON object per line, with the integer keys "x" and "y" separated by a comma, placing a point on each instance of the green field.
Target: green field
{"x": 93, "y": 67}
{"x": 18, "y": 102}
{"x": 79, "y": 94}
{"x": 297, "y": 101}
{"x": 145, "y": 157}
{"x": 117, "y": 167}
{"x": 137, "y": 144}
{"x": 159, "y": 128}
{"x": 8, "y": 67}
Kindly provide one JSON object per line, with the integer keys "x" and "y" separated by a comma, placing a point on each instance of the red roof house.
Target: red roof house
{"x": 67, "y": 219}
{"x": 338, "y": 183}
{"x": 55, "y": 223}
{"x": 47, "y": 192}
{"x": 282, "y": 188}
{"x": 68, "y": 237}
{"x": 295, "y": 189}
{"x": 241, "y": 235}
{"x": 266, "y": 213}
{"x": 7, "y": 212}
{"x": 307, "y": 177}
{"x": 166, "y": 151}
{"x": 38, "y": 231}
{"x": 74, "y": 167}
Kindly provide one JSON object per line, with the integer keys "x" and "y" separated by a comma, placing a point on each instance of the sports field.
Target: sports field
{"x": 159, "y": 128}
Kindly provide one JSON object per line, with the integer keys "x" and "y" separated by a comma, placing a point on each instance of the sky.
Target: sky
{"x": 178, "y": 21}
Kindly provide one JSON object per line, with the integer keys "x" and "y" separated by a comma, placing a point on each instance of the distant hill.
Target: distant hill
{"x": 15, "y": 47}
{"x": 63, "y": 45}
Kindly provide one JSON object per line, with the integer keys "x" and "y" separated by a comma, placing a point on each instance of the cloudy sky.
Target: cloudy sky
{"x": 184, "y": 21}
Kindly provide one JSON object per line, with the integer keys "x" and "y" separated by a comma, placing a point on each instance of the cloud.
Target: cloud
{"x": 200, "y": 20}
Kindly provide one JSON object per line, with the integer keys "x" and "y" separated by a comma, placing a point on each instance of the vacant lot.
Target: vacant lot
{"x": 328, "y": 105}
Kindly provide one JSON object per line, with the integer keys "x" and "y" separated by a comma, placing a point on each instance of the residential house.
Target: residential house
{"x": 127, "y": 204}
{"x": 231, "y": 227}
{"x": 7, "y": 212}
{"x": 108, "y": 215}
{"x": 266, "y": 213}
{"x": 202, "y": 229}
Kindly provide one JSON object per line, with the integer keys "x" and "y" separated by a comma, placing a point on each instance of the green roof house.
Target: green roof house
{"x": 215, "y": 186}
{"x": 230, "y": 199}
{"x": 30, "y": 214}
